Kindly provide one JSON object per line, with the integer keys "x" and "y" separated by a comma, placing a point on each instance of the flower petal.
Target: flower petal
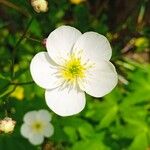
{"x": 60, "y": 42}
{"x": 48, "y": 130}
{"x": 43, "y": 71}
{"x": 94, "y": 46}
{"x": 100, "y": 79}
{"x": 44, "y": 115}
{"x": 36, "y": 139}
{"x": 25, "y": 130}
{"x": 65, "y": 102}
{"x": 30, "y": 117}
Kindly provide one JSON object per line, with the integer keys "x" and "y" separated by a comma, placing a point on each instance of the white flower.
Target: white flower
{"x": 7, "y": 125}
{"x": 74, "y": 64}
{"x": 36, "y": 126}
{"x": 39, "y": 5}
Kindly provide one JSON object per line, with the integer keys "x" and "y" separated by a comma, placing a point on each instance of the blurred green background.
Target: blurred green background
{"x": 118, "y": 121}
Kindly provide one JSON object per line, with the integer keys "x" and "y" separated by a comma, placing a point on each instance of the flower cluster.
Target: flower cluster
{"x": 36, "y": 126}
{"x": 7, "y": 125}
{"x": 74, "y": 64}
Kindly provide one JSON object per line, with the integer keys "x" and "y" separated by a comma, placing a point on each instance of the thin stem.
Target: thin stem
{"x": 22, "y": 83}
{"x": 15, "y": 85}
{"x": 14, "y": 6}
{"x": 3, "y": 88}
{"x": 33, "y": 39}
{"x": 128, "y": 46}
{"x": 8, "y": 94}
{"x": 15, "y": 48}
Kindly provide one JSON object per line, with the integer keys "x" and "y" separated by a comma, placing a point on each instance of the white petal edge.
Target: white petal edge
{"x": 36, "y": 139}
{"x": 49, "y": 130}
{"x": 94, "y": 47}
{"x": 44, "y": 115}
{"x": 25, "y": 130}
{"x": 30, "y": 117}
{"x": 65, "y": 102}
{"x": 43, "y": 71}
{"x": 60, "y": 42}
{"x": 100, "y": 80}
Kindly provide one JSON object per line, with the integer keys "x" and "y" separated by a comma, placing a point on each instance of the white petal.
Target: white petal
{"x": 30, "y": 117}
{"x": 43, "y": 71}
{"x": 65, "y": 102}
{"x": 60, "y": 42}
{"x": 94, "y": 46}
{"x": 100, "y": 79}
{"x": 36, "y": 139}
{"x": 44, "y": 115}
{"x": 25, "y": 130}
{"x": 48, "y": 130}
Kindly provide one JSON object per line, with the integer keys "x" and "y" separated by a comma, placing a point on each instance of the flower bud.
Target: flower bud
{"x": 7, "y": 125}
{"x": 39, "y": 5}
{"x": 44, "y": 42}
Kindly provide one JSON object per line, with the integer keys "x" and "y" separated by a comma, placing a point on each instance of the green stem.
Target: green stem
{"x": 22, "y": 83}
{"x": 14, "y": 6}
{"x": 16, "y": 46}
{"x": 8, "y": 94}
{"x": 15, "y": 85}
{"x": 3, "y": 88}
{"x": 33, "y": 39}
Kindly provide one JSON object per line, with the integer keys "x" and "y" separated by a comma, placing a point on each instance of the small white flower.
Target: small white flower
{"x": 7, "y": 125}
{"x": 39, "y": 5}
{"x": 36, "y": 126}
{"x": 74, "y": 64}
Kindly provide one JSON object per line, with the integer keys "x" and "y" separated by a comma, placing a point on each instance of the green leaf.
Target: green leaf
{"x": 71, "y": 133}
{"x": 94, "y": 143}
{"x": 137, "y": 96}
{"x": 109, "y": 117}
{"x": 86, "y": 130}
{"x": 9, "y": 142}
{"x": 140, "y": 142}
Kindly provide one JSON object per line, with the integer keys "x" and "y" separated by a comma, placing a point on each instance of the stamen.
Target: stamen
{"x": 37, "y": 127}
{"x": 73, "y": 70}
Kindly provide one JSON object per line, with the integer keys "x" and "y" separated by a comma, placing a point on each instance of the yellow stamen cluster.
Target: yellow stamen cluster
{"x": 37, "y": 126}
{"x": 73, "y": 69}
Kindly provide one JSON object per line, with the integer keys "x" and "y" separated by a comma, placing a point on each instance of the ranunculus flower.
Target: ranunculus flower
{"x": 36, "y": 126}
{"x": 74, "y": 64}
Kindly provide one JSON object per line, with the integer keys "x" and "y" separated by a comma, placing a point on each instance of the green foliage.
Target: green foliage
{"x": 118, "y": 121}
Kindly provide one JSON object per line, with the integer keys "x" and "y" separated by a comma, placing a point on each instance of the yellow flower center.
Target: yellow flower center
{"x": 73, "y": 69}
{"x": 37, "y": 126}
